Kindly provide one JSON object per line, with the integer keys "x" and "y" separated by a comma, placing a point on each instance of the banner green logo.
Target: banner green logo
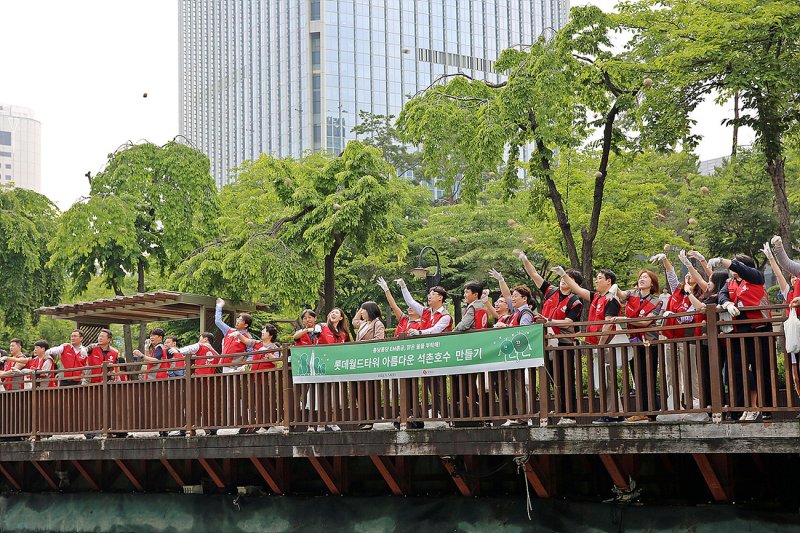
{"x": 420, "y": 356}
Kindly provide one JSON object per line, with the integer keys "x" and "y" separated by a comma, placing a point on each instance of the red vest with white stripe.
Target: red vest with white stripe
{"x": 555, "y": 308}
{"x": 435, "y": 317}
{"x": 96, "y": 358}
{"x": 231, "y": 344}
{"x": 516, "y": 317}
{"x": 481, "y": 319}
{"x": 748, "y": 295}
{"x": 637, "y": 307}
{"x": 37, "y": 363}
{"x": 204, "y": 359}
{"x": 406, "y": 324}
{"x": 72, "y": 359}
{"x": 597, "y": 311}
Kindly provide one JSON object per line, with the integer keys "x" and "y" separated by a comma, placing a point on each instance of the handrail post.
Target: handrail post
{"x": 106, "y": 423}
{"x": 34, "y": 407}
{"x": 404, "y": 386}
{"x": 713, "y": 364}
{"x": 187, "y": 383}
{"x": 288, "y": 388}
{"x": 544, "y": 395}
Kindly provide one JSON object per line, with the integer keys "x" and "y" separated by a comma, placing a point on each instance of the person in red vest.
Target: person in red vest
{"x": 231, "y": 343}
{"x": 335, "y": 330}
{"x": 405, "y": 322}
{"x": 434, "y": 317}
{"x": 101, "y": 352}
{"x": 476, "y": 316}
{"x": 792, "y": 296}
{"x": 157, "y": 358}
{"x": 519, "y": 300}
{"x": 177, "y": 367}
{"x": 642, "y": 303}
{"x": 499, "y": 311}
{"x": 202, "y": 365}
{"x": 745, "y": 288}
{"x": 15, "y": 361}
{"x": 603, "y": 306}
{"x": 73, "y": 358}
{"x": 309, "y": 333}
{"x": 560, "y": 309}
{"x": 41, "y": 362}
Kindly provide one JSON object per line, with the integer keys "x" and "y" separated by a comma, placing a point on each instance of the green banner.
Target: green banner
{"x": 420, "y": 356}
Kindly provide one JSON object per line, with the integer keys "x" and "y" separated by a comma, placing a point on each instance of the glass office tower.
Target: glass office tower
{"x": 285, "y": 77}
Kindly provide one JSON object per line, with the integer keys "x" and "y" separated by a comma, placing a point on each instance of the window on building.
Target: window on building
{"x": 5, "y": 138}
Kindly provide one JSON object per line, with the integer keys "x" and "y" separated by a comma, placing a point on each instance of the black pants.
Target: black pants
{"x": 69, "y": 383}
{"x": 753, "y": 362}
{"x": 641, "y": 355}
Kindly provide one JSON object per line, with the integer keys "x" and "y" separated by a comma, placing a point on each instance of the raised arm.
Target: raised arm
{"x": 577, "y": 289}
{"x": 697, "y": 256}
{"x": 504, "y": 290}
{"x": 529, "y": 268}
{"x": 672, "y": 278}
{"x": 398, "y": 313}
{"x": 783, "y": 285}
{"x": 223, "y": 327}
{"x": 703, "y": 284}
{"x": 793, "y": 267}
{"x": 410, "y": 301}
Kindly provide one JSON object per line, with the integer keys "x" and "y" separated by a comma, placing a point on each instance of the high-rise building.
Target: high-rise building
{"x": 285, "y": 77}
{"x": 20, "y": 148}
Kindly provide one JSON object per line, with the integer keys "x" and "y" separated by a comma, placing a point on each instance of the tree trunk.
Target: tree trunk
{"x": 126, "y": 328}
{"x": 330, "y": 280}
{"x": 776, "y": 171}
{"x": 141, "y": 288}
{"x": 735, "y": 144}
{"x": 588, "y": 236}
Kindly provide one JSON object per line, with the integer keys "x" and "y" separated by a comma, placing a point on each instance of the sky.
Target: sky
{"x": 84, "y": 66}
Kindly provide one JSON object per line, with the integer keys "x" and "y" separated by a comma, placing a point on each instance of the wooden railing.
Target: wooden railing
{"x": 571, "y": 384}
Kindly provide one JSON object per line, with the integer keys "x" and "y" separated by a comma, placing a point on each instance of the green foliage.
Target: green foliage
{"x": 27, "y": 281}
{"x": 379, "y": 131}
{"x": 298, "y": 213}
{"x": 150, "y": 206}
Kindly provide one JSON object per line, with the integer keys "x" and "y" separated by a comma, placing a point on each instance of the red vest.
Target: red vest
{"x": 517, "y": 316}
{"x": 481, "y": 319}
{"x": 748, "y": 295}
{"x": 231, "y": 344}
{"x": 637, "y": 307}
{"x": 679, "y": 303}
{"x": 96, "y": 357}
{"x": 597, "y": 311}
{"x": 265, "y": 365}
{"x": 794, "y": 292}
{"x": 72, "y": 359}
{"x": 178, "y": 360}
{"x": 9, "y": 381}
{"x": 406, "y": 324}
{"x": 327, "y": 336}
{"x": 37, "y": 363}
{"x": 203, "y": 360}
{"x": 306, "y": 340}
{"x": 555, "y": 308}
{"x": 435, "y": 317}
{"x": 504, "y": 319}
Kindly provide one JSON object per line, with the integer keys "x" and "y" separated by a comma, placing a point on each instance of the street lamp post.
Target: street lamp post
{"x": 431, "y": 280}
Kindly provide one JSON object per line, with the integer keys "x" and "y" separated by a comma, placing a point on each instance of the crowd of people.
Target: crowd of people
{"x": 676, "y": 312}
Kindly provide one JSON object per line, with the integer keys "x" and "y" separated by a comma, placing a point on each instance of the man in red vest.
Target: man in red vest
{"x": 12, "y": 364}
{"x": 560, "y": 308}
{"x": 101, "y": 352}
{"x": 476, "y": 316}
{"x": 158, "y": 356}
{"x": 604, "y": 306}
{"x": 230, "y": 342}
{"x": 73, "y": 358}
{"x": 434, "y": 317}
{"x": 745, "y": 288}
{"x": 405, "y": 322}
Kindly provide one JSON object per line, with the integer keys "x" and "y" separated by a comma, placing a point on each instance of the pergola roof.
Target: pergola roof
{"x": 143, "y": 307}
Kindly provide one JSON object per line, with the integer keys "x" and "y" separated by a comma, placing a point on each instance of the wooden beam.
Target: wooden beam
{"x": 715, "y": 470}
{"x": 213, "y": 471}
{"x": 390, "y": 474}
{"x": 129, "y": 474}
{"x": 85, "y": 473}
{"x": 269, "y": 473}
{"x": 463, "y": 487}
{"x": 11, "y": 479}
{"x": 325, "y": 471}
{"x": 46, "y": 475}
{"x": 614, "y": 470}
{"x": 172, "y": 472}
{"x": 538, "y": 477}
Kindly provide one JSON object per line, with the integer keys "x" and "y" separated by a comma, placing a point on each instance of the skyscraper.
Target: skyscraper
{"x": 285, "y": 77}
{"x": 20, "y": 148}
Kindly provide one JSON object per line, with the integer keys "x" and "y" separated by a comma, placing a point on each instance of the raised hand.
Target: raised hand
{"x": 658, "y": 257}
{"x": 767, "y": 251}
{"x": 697, "y": 256}
{"x": 400, "y": 283}
{"x": 382, "y": 284}
{"x": 683, "y": 258}
{"x": 520, "y": 254}
{"x": 714, "y": 262}
{"x": 558, "y": 271}
{"x": 776, "y": 241}
{"x": 496, "y": 275}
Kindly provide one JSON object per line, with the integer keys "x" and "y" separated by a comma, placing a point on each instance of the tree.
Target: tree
{"x": 559, "y": 92}
{"x": 748, "y": 49}
{"x": 27, "y": 280}
{"x": 379, "y": 131}
{"x": 301, "y": 213}
{"x": 150, "y": 206}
